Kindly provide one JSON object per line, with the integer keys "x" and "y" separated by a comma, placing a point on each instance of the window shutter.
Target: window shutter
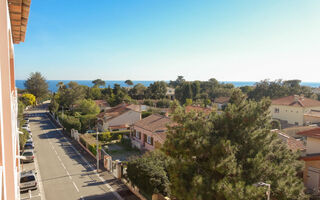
{"x": 145, "y": 138}
{"x": 152, "y": 141}
{"x": 134, "y": 133}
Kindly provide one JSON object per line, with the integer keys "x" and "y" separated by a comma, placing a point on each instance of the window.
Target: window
{"x": 276, "y": 110}
{"x": 138, "y": 134}
{"x": 149, "y": 140}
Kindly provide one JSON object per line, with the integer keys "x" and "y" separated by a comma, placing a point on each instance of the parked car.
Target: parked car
{"x": 30, "y": 143}
{"x": 28, "y": 181}
{"x": 28, "y": 146}
{"x": 28, "y": 156}
{"x": 30, "y": 138}
{"x": 26, "y": 119}
{"x": 90, "y": 131}
{"x": 26, "y": 127}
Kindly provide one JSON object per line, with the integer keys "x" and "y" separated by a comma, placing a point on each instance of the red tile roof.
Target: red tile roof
{"x": 315, "y": 133}
{"x": 291, "y": 142}
{"x": 115, "y": 111}
{"x": 198, "y": 109}
{"x": 119, "y": 126}
{"x": 101, "y": 103}
{"x": 297, "y": 101}
{"x": 313, "y": 113}
{"x": 154, "y": 122}
{"x": 222, "y": 100}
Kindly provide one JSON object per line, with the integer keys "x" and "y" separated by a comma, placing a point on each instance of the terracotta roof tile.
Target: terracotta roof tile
{"x": 297, "y": 101}
{"x": 101, "y": 103}
{"x": 222, "y": 100}
{"x": 315, "y": 133}
{"x": 154, "y": 123}
{"x": 115, "y": 111}
{"x": 291, "y": 142}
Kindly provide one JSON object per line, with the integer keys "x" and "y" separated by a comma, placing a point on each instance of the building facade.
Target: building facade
{"x": 311, "y": 174}
{"x": 293, "y": 109}
{"x": 150, "y": 132}
{"x": 13, "y": 22}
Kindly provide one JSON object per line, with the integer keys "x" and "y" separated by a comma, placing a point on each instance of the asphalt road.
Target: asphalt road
{"x": 65, "y": 174}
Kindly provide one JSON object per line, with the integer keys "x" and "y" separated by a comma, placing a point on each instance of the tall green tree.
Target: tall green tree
{"x": 37, "y": 85}
{"x": 87, "y": 106}
{"x": 69, "y": 95}
{"x": 98, "y": 83}
{"x": 128, "y": 82}
{"x": 222, "y": 156}
{"x": 138, "y": 91}
{"x": 157, "y": 90}
{"x": 177, "y": 82}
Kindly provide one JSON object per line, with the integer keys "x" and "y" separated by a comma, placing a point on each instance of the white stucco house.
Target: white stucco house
{"x": 293, "y": 109}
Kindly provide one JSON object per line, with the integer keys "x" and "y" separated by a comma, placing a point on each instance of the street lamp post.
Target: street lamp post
{"x": 97, "y": 155}
{"x": 264, "y": 184}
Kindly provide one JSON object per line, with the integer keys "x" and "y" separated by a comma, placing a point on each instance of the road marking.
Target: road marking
{"x": 115, "y": 193}
{"x": 75, "y": 186}
{"x": 59, "y": 158}
{"x": 42, "y": 194}
{"x": 63, "y": 165}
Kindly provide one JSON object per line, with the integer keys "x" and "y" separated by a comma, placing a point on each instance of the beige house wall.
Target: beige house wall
{"x": 291, "y": 114}
{"x": 313, "y": 145}
{"x": 8, "y": 112}
{"x": 314, "y": 164}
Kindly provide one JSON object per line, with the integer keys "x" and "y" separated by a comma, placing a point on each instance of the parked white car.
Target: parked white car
{"x": 28, "y": 181}
{"x": 28, "y": 156}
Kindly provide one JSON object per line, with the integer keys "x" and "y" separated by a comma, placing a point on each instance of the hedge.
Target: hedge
{"x": 114, "y": 135}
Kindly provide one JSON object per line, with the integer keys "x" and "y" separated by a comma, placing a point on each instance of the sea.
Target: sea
{"x": 53, "y": 83}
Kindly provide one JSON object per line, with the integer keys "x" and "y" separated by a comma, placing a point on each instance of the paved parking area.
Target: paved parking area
{"x": 31, "y": 194}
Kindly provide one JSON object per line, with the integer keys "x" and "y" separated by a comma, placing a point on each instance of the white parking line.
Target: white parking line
{"x": 63, "y": 165}
{"x": 75, "y": 186}
{"x": 85, "y": 160}
{"x": 59, "y": 158}
{"x": 36, "y": 166}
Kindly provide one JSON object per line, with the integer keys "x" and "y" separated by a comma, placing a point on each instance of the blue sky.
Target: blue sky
{"x": 230, "y": 40}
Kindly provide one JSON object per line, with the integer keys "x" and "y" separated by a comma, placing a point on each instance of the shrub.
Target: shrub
{"x": 114, "y": 135}
{"x": 163, "y": 103}
{"x": 126, "y": 143}
{"x": 92, "y": 149}
{"x": 149, "y": 173}
{"x": 82, "y": 141}
{"x": 145, "y": 114}
{"x": 148, "y": 102}
{"x": 69, "y": 122}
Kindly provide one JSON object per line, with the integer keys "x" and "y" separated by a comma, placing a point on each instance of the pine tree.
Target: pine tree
{"x": 222, "y": 156}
